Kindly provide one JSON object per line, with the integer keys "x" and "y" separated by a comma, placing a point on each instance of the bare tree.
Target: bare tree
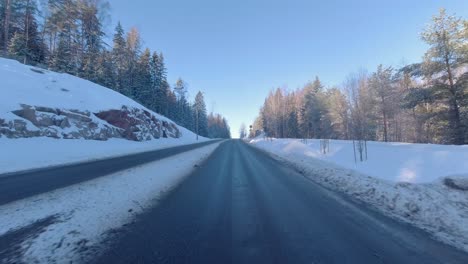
{"x": 381, "y": 84}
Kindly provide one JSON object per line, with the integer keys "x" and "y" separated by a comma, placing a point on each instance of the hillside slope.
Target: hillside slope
{"x": 49, "y": 118}
{"x": 37, "y": 102}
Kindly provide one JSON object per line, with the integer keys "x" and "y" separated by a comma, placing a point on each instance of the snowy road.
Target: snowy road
{"x": 241, "y": 206}
{"x": 16, "y": 186}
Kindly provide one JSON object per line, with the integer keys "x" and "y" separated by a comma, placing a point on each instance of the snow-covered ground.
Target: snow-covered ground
{"x": 23, "y": 84}
{"x": 83, "y": 215}
{"x": 404, "y": 181}
{"x": 396, "y": 162}
{"x": 26, "y": 85}
{"x": 29, "y": 153}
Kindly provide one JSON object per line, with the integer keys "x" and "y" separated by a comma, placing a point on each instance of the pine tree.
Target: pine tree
{"x": 338, "y": 111}
{"x": 159, "y": 83}
{"x": 28, "y": 46}
{"x": 172, "y": 107}
{"x": 143, "y": 92}
{"x": 132, "y": 52}
{"x": 6, "y": 8}
{"x": 180, "y": 91}
{"x": 62, "y": 26}
{"x": 92, "y": 43}
{"x": 105, "y": 70}
{"x": 62, "y": 60}
{"x": 119, "y": 60}
{"x": 201, "y": 118}
{"x": 17, "y": 47}
{"x": 313, "y": 112}
{"x": 447, "y": 45}
{"x": 381, "y": 85}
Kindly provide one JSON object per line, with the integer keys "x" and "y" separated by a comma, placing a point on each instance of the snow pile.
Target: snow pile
{"x": 83, "y": 216}
{"x": 427, "y": 202}
{"x": 37, "y": 102}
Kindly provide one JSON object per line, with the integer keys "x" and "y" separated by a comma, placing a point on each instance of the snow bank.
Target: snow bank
{"x": 396, "y": 162}
{"x": 433, "y": 206}
{"x": 31, "y": 153}
{"x": 85, "y": 214}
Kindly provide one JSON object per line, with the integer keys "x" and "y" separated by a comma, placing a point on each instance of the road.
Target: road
{"x": 242, "y": 206}
{"x": 19, "y": 185}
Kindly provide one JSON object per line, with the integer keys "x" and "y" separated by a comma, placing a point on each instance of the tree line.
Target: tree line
{"x": 424, "y": 102}
{"x": 67, "y": 36}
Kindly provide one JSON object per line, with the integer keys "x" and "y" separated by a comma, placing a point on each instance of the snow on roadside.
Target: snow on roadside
{"x": 396, "y": 162}
{"x": 440, "y": 210}
{"x": 31, "y": 153}
{"x": 88, "y": 210}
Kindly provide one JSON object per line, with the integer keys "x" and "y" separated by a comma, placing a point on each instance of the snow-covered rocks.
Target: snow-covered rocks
{"x": 457, "y": 182}
{"x": 127, "y": 123}
{"x": 39, "y": 103}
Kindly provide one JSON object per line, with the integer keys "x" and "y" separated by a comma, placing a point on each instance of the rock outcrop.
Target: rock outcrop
{"x": 127, "y": 123}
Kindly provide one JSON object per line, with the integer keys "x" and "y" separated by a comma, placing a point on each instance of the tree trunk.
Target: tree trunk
{"x": 384, "y": 113}
{"x": 458, "y": 136}
{"x": 26, "y": 32}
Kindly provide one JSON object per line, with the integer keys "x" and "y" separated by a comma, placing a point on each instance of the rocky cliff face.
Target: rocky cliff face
{"x": 127, "y": 123}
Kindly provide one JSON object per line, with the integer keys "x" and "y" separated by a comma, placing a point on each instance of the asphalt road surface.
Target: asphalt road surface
{"x": 242, "y": 206}
{"x": 19, "y": 185}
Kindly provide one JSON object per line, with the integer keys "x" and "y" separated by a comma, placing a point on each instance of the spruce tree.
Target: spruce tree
{"x": 201, "y": 118}
{"x": 143, "y": 92}
{"x": 91, "y": 35}
{"x": 62, "y": 58}
{"x": 448, "y": 46}
{"x": 118, "y": 58}
{"x": 105, "y": 70}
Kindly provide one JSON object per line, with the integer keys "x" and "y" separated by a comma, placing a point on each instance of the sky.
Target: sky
{"x": 235, "y": 52}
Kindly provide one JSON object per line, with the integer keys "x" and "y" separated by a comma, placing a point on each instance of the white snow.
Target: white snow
{"x": 31, "y": 153}
{"x": 404, "y": 181}
{"x": 88, "y": 210}
{"x": 396, "y": 162}
{"x": 21, "y": 85}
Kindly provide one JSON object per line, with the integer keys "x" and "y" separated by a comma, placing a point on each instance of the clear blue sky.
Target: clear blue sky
{"x": 237, "y": 51}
